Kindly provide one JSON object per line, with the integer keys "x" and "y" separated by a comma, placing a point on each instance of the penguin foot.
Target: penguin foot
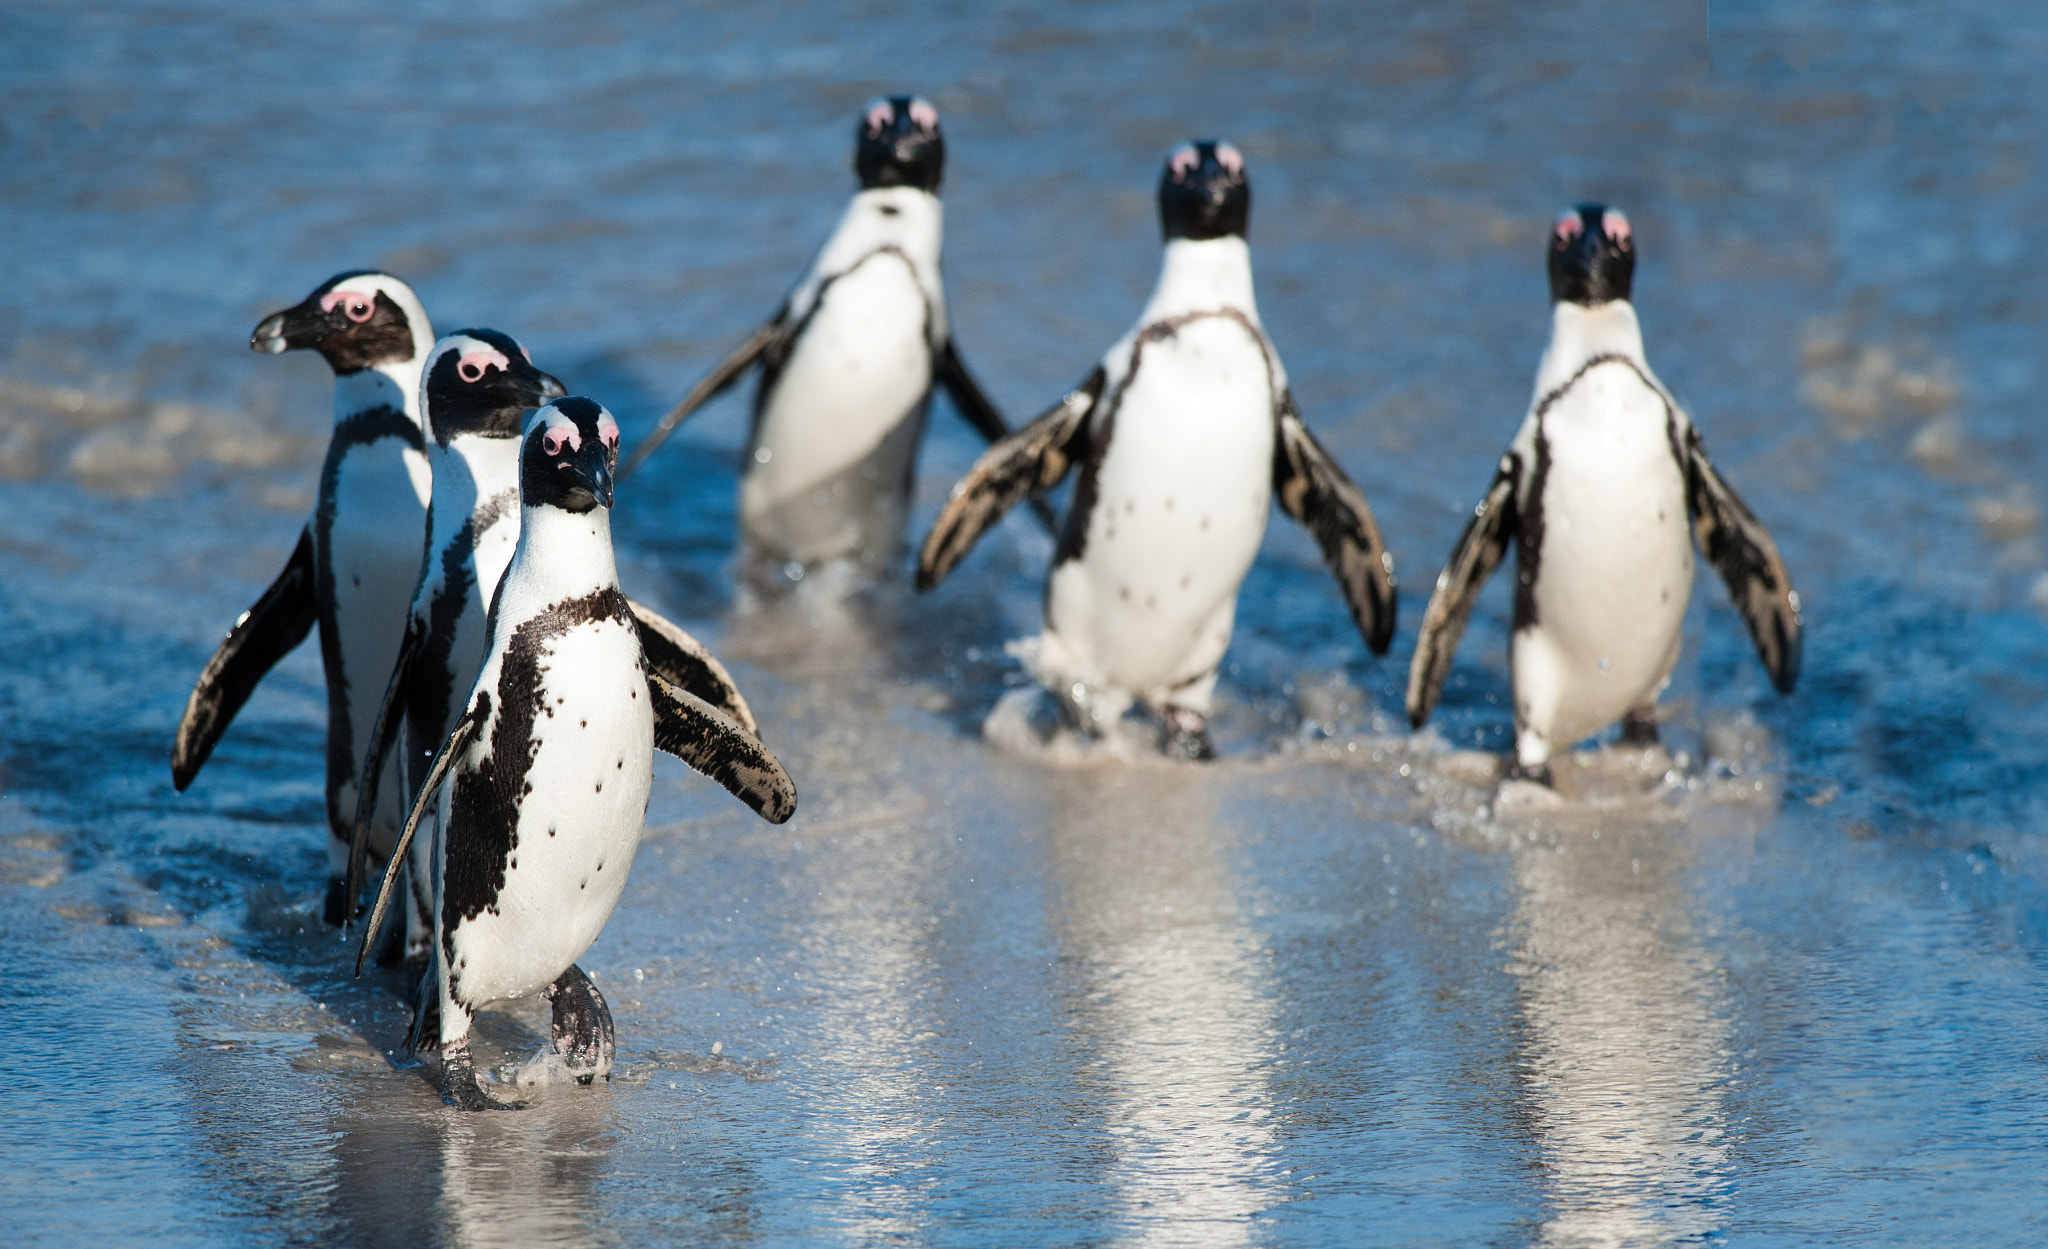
{"x": 335, "y": 912}
{"x": 1187, "y": 735}
{"x": 1639, "y": 729}
{"x": 1540, "y": 774}
{"x": 582, "y": 1026}
{"x": 459, "y": 1087}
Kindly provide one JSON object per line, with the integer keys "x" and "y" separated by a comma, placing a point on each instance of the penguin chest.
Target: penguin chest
{"x": 368, "y": 533}
{"x": 1613, "y": 567}
{"x": 537, "y": 858}
{"x": 1181, "y": 495}
{"x": 839, "y": 426}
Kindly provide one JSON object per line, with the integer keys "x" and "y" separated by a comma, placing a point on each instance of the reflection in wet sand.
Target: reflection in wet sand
{"x": 511, "y": 1181}
{"x": 1626, "y": 1037}
{"x": 1176, "y": 1002}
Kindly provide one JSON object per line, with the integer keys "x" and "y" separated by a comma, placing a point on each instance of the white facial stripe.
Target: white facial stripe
{"x": 480, "y": 360}
{"x": 469, "y": 349}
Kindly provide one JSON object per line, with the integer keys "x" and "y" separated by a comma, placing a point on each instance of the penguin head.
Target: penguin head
{"x": 358, "y": 320}
{"x": 571, "y": 450}
{"x": 481, "y": 382}
{"x": 898, "y": 144}
{"x": 1203, "y": 192}
{"x": 1592, "y": 255}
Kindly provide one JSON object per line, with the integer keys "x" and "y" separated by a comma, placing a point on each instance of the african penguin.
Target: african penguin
{"x": 1597, "y": 492}
{"x": 476, "y": 388}
{"x": 847, "y": 369}
{"x": 1184, "y": 434}
{"x": 543, "y": 783}
{"x": 357, "y": 559}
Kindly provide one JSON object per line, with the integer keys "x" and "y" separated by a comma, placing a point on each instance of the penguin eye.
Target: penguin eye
{"x": 470, "y": 371}
{"x": 551, "y": 442}
{"x": 609, "y": 432}
{"x": 358, "y": 310}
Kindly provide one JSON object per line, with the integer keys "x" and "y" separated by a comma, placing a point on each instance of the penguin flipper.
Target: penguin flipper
{"x": 1029, "y": 461}
{"x": 1312, "y": 488}
{"x": 711, "y": 743}
{"x": 266, "y": 633}
{"x": 1736, "y": 543}
{"x": 713, "y": 384}
{"x": 383, "y": 737}
{"x": 1479, "y": 551}
{"x": 974, "y": 408}
{"x": 459, "y": 740}
{"x": 682, "y": 661}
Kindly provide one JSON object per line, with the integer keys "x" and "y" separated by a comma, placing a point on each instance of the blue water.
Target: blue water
{"x": 1309, "y": 995}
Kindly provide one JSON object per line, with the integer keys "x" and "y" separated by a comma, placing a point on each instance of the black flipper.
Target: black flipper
{"x": 1479, "y": 551}
{"x": 682, "y": 661}
{"x": 710, "y": 742}
{"x": 713, "y": 384}
{"x": 266, "y": 633}
{"x": 1310, "y": 487}
{"x": 383, "y": 739}
{"x": 466, "y": 731}
{"x": 1029, "y": 461}
{"x": 1735, "y": 542}
{"x": 582, "y": 1025}
{"x": 976, "y": 409}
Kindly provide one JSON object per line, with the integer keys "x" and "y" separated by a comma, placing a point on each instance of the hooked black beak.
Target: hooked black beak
{"x": 531, "y": 387}
{"x": 292, "y": 329}
{"x": 593, "y": 470}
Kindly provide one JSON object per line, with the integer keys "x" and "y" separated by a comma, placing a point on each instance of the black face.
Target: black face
{"x": 1592, "y": 255}
{"x": 1203, "y": 192}
{"x": 354, "y": 331}
{"x": 898, "y": 144}
{"x": 483, "y": 386}
{"x": 569, "y": 456}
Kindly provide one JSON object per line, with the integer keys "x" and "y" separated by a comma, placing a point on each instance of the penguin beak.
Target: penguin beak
{"x": 592, "y": 469}
{"x": 294, "y": 328}
{"x": 531, "y": 387}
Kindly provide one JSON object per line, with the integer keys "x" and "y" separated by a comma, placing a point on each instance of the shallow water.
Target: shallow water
{"x": 1313, "y": 994}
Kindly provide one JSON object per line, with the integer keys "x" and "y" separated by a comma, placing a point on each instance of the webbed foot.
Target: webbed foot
{"x": 1539, "y": 774}
{"x": 582, "y": 1025}
{"x": 459, "y": 1087}
{"x": 1639, "y": 728}
{"x": 1187, "y": 735}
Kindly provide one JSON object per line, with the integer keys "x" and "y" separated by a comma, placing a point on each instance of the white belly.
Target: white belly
{"x": 1181, "y": 501}
{"x": 372, "y": 552}
{"x": 1615, "y": 566}
{"x": 578, "y": 826}
{"x": 837, "y": 436}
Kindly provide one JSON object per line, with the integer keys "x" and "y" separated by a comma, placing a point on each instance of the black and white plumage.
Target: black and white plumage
{"x": 475, "y": 391}
{"x": 543, "y": 783}
{"x": 353, "y": 570}
{"x": 848, "y": 365}
{"x": 1184, "y": 435}
{"x": 1603, "y": 492}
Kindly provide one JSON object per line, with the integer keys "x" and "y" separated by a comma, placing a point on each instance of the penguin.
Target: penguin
{"x": 543, "y": 782}
{"x": 848, "y": 364}
{"x": 353, "y": 569}
{"x": 1604, "y": 491}
{"x": 1184, "y": 434}
{"x": 475, "y": 390}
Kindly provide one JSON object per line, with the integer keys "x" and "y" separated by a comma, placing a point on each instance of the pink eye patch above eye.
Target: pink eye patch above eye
{"x": 559, "y": 436}
{"x": 608, "y": 431}
{"x": 1568, "y": 226}
{"x": 1615, "y": 226}
{"x": 356, "y": 304}
{"x": 924, "y": 116}
{"x": 476, "y": 362}
{"x": 1184, "y": 161}
{"x": 880, "y": 114}
{"x": 1230, "y": 158}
